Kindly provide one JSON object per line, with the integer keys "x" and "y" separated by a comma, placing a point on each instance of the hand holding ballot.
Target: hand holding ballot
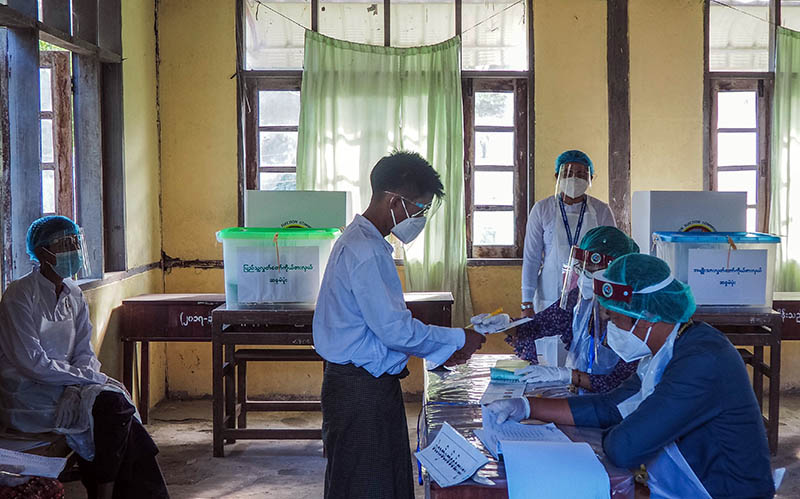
{"x": 490, "y": 322}
{"x": 472, "y": 343}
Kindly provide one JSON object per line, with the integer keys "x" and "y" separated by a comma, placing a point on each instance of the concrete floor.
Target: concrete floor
{"x": 295, "y": 469}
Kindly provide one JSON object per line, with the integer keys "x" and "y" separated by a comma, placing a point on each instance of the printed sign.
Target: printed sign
{"x": 263, "y": 280}
{"x": 723, "y": 277}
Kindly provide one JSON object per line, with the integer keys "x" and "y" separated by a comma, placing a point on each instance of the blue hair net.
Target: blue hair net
{"x": 673, "y": 302}
{"x": 45, "y": 230}
{"x": 609, "y": 241}
{"x": 574, "y": 156}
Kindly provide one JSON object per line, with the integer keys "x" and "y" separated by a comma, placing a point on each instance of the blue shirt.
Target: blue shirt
{"x": 361, "y": 316}
{"x": 704, "y": 401}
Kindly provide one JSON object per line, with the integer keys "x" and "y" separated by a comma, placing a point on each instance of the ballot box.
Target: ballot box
{"x": 274, "y": 267}
{"x": 722, "y": 268}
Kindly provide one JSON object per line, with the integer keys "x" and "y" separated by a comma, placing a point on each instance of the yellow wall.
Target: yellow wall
{"x": 571, "y": 88}
{"x": 142, "y": 186}
{"x": 666, "y": 81}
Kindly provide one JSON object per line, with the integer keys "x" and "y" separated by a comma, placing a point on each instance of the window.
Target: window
{"x": 495, "y": 48}
{"x": 738, "y": 35}
{"x": 52, "y": 166}
{"x": 739, "y": 143}
{"x": 55, "y": 100}
{"x": 494, "y": 169}
{"x": 271, "y": 139}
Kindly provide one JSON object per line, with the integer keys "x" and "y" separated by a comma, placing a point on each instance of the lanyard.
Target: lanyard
{"x": 566, "y": 222}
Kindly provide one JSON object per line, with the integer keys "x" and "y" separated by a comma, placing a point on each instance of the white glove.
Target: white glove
{"x": 485, "y": 324}
{"x": 515, "y": 409}
{"x": 68, "y": 407}
{"x": 545, "y": 374}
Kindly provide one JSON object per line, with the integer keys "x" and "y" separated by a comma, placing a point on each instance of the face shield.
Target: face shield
{"x": 69, "y": 251}
{"x": 574, "y": 180}
{"x": 579, "y": 272}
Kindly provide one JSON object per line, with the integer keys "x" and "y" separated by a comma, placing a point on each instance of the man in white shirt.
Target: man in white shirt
{"x": 366, "y": 334}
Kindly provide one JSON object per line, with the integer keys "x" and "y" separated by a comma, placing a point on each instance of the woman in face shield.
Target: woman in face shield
{"x": 689, "y": 415}
{"x": 591, "y": 365}
{"x": 555, "y": 225}
{"x": 50, "y": 377}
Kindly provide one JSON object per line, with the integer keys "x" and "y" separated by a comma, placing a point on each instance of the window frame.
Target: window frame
{"x": 97, "y": 136}
{"x": 253, "y": 85}
{"x": 61, "y": 116}
{"x": 519, "y": 88}
{"x": 762, "y": 84}
{"x": 253, "y": 81}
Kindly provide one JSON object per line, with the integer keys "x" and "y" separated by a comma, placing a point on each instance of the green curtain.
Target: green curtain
{"x": 358, "y": 103}
{"x": 784, "y": 219}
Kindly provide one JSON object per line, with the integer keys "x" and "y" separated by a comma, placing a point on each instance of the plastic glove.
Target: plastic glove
{"x": 515, "y": 409}
{"x": 68, "y": 407}
{"x": 485, "y": 324}
{"x": 545, "y": 374}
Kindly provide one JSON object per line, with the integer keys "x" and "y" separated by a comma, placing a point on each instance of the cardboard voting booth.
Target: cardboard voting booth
{"x": 685, "y": 211}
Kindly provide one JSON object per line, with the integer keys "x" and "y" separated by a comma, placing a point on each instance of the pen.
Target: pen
{"x": 498, "y": 311}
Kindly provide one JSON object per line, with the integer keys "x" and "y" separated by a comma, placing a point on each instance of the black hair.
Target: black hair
{"x": 407, "y": 173}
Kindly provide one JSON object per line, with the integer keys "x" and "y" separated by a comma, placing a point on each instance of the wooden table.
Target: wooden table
{"x": 755, "y": 330}
{"x": 788, "y": 306}
{"x": 268, "y": 329}
{"x": 161, "y": 317}
{"x": 187, "y": 317}
{"x": 454, "y": 396}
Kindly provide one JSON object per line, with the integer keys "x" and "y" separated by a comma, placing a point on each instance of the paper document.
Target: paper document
{"x": 33, "y": 465}
{"x": 451, "y": 459}
{"x": 554, "y": 470}
{"x": 492, "y": 433}
{"x": 510, "y": 325}
{"x": 499, "y": 391}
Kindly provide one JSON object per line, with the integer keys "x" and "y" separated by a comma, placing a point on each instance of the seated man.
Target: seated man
{"x": 50, "y": 377}
{"x": 591, "y": 364}
{"x": 690, "y": 415}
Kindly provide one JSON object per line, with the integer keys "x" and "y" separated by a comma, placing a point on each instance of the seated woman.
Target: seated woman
{"x": 591, "y": 365}
{"x": 50, "y": 377}
{"x": 690, "y": 416}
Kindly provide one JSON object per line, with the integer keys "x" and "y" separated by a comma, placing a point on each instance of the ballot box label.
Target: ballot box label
{"x": 290, "y": 274}
{"x": 728, "y": 277}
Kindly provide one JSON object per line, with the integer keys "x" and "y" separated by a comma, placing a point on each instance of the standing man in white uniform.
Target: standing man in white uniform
{"x": 366, "y": 334}
{"x": 555, "y": 224}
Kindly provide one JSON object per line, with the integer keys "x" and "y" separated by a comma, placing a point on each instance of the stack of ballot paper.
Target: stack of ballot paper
{"x": 553, "y": 470}
{"x": 492, "y": 434}
{"x": 450, "y": 459}
{"x": 32, "y": 465}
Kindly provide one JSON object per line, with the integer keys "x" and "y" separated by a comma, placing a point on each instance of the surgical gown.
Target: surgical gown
{"x": 704, "y": 401}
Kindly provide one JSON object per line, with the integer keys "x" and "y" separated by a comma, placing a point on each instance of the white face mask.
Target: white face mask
{"x": 586, "y": 285}
{"x": 627, "y": 345}
{"x": 574, "y": 187}
{"x": 407, "y": 230}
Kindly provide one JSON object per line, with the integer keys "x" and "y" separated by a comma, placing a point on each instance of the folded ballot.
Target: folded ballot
{"x": 450, "y": 458}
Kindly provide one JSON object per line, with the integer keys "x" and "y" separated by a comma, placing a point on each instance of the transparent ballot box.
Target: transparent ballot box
{"x": 724, "y": 269}
{"x": 274, "y": 268}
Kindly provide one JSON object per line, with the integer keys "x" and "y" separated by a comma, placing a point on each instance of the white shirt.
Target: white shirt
{"x": 540, "y": 235}
{"x": 28, "y": 302}
{"x": 361, "y": 317}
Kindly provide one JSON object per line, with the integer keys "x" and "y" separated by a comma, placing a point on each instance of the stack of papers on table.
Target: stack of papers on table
{"x": 554, "y": 470}
{"x": 492, "y": 434}
{"x": 31, "y": 464}
{"x": 451, "y": 459}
